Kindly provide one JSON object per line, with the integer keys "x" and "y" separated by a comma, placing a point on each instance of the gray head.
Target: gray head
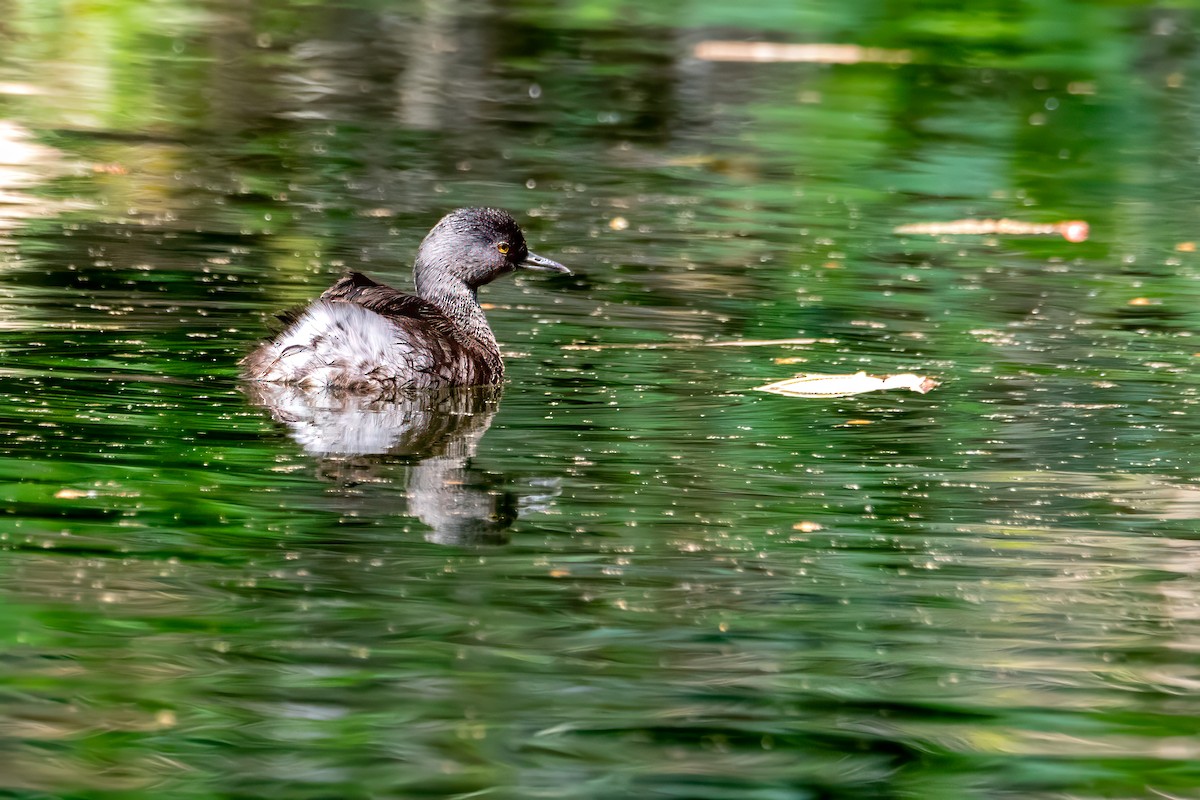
{"x": 474, "y": 246}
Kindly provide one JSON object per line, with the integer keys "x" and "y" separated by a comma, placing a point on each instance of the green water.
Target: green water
{"x": 629, "y": 574}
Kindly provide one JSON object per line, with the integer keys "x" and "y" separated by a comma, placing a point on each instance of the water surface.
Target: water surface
{"x": 629, "y": 574}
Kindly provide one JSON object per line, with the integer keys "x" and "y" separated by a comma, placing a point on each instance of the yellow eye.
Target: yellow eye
{"x": 503, "y": 247}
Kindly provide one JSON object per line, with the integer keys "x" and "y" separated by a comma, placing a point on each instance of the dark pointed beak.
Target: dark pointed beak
{"x": 542, "y": 264}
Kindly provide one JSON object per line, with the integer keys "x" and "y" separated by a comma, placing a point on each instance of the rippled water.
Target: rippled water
{"x": 629, "y": 573}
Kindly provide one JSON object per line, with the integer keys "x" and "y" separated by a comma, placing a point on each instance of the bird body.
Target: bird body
{"x": 364, "y": 336}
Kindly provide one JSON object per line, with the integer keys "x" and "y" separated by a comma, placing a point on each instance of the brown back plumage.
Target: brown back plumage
{"x": 354, "y": 287}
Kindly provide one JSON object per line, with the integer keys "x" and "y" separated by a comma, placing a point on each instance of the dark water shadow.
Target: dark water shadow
{"x": 421, "y": 440}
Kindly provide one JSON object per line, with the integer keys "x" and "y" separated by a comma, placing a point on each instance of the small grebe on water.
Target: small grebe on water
{"x": 363, "y": 336}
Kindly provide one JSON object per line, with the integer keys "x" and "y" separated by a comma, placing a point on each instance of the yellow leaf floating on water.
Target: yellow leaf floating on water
{"x": 844, "y": 385}
{"x": 780, "y": 52}
{"x": 682, "y": 345}
{"x": 1073, "y": 230}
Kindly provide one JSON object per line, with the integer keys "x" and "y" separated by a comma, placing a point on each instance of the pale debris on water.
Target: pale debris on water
{"x": 1073, "y": 230}
{"x": 782, "y": 52}
{"x": 811, "y": 385}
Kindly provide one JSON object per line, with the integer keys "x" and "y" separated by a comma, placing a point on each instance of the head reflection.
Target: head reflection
{"x": 430, "y": 435}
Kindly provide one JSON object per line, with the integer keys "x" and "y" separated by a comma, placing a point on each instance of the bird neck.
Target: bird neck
{"x": 459, "y": 303}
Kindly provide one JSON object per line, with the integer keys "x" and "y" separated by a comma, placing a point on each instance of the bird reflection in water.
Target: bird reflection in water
{"x": 434, "y": 434}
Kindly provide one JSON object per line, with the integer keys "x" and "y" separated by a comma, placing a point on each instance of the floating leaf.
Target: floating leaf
{"x": 686, "y": 345}
{"x": 799, "y": 53}
{"x": 19, "y": 89}
{"x": 810, "y": 385}
{"x": 1074, "y": 230}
